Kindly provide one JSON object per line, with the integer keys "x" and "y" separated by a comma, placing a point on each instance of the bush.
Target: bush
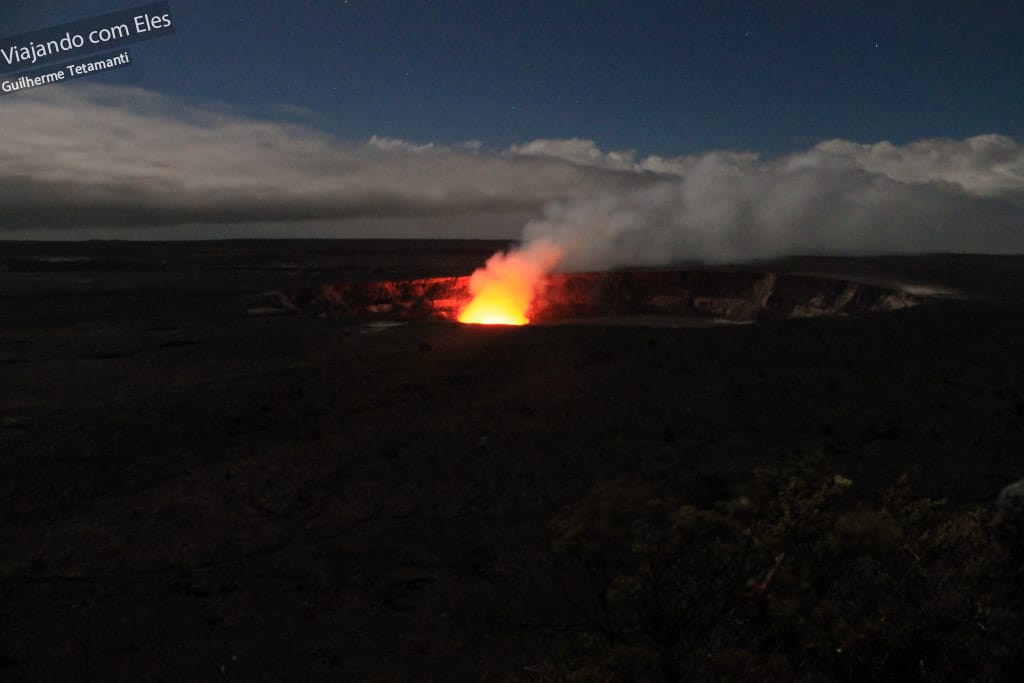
{"x": 796, "y": 579}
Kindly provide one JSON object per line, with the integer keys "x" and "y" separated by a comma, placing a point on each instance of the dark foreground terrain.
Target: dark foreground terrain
{"x": 191, "y": 492}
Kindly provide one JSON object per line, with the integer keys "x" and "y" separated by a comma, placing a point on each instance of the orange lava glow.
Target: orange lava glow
{"x": 504, "y": 288}
{"x": 494, "y": 309}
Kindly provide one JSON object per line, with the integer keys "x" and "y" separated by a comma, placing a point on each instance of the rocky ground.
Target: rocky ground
{"x": 195, "y": 492}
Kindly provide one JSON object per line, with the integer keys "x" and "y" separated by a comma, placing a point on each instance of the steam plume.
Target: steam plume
{"x": 839, "y": 197}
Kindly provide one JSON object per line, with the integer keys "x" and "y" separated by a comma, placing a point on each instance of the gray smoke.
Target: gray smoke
{"x": 839, "y": 197}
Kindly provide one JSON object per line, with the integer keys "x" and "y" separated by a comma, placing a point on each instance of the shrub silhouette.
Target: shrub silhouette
{"x": 796, "y": 579}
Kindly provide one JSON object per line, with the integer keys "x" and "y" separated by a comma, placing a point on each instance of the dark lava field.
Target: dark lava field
{"x": 201, "y": 481}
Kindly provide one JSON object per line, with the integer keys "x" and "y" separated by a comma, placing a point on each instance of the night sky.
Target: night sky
{"x": 638, "y": 132}
{"x": 668, "y": 78}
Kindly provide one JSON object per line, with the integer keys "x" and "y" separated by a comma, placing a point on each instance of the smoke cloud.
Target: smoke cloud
{"x": 930, "y": 196}
{"x": 839, "y": 197}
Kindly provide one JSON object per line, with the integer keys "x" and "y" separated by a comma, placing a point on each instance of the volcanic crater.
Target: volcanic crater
{"x": 710, "y": 294}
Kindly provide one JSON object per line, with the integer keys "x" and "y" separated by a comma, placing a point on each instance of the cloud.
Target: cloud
{"x": 576, "y": 151}
{"x": 396, "y": 145}
{"x": 985, "y": 165}
{"x": 930, "y": 196}
{"x": 95, "y": 156}
{"x": 587, "y": 153}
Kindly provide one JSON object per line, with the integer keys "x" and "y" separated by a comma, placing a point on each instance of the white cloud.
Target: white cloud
{"x": 985, "y": 165}
{"x": 100, "y": 156}
{"x": 732, "y": 207}
{"x": 576, "y": 151}
{"x": 587, "y": 153}
{"x": 396, "y": 145}
{"x": 91, "y": 155}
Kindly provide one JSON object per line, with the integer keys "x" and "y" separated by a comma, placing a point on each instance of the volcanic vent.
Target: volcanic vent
{"x": 718, "y": 294}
